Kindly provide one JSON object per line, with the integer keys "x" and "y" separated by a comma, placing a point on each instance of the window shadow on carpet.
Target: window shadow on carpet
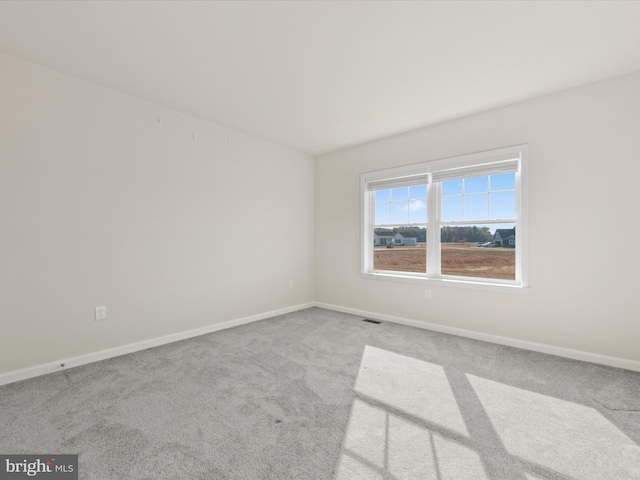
{"x": 412, "y": 419}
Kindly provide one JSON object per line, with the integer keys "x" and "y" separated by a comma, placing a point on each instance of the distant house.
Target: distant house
{"x": 382, "y": 239}
{"x": 399, "y": 239}
{"x": 505, "y": 237}
{"x": 405, "y": 240}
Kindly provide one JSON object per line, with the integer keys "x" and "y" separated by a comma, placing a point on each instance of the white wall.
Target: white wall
{"x": 584, "y": 222}
{"x": 101, "y": 205}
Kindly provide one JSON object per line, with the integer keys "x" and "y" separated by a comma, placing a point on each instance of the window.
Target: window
{"x": 458, "y": 221}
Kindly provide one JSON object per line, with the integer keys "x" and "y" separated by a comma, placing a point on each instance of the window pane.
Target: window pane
{"x": 476, "y": 207}
{"x": 476, "y": 185}
{"x": 383, "y": 196}
{"x": 400, "y": 249}
{"x": 401, "y": 193}
{"x": 452, "y": 187}
{"x": 383, "y": 214}
{"x": 481, "y": 251}
{"x": 400, "y": 212}
{"x": 505, "y": 181}
{"x": 418, "y": 211}
{"x": 418, "y": 191}
{"x": 451, "y": 209}
{"x": 503, "y": 205}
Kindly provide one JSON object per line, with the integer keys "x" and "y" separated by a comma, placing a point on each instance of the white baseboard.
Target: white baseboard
{"x": 50, "y": 367}
{"x": 487, "y": 337}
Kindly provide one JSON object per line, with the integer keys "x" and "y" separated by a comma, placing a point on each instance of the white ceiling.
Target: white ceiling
{"x": 319, "y": 76}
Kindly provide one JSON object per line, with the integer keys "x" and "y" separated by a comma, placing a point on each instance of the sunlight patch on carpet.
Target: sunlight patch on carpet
{"x": 388, "y": 435}
{"x": 419, "y": 388}
{"x": 567, "y": 437}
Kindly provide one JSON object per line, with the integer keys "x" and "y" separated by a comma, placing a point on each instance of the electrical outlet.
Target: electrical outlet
{"x": 290, "y": 283}
{"x": 101, "y": 313}
{"x": 427, "y": 294}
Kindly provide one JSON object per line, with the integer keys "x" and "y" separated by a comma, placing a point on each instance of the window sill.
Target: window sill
{"x": 446, "y": 282}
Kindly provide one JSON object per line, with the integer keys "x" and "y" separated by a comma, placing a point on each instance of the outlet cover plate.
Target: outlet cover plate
{"x": 101, "y": 313}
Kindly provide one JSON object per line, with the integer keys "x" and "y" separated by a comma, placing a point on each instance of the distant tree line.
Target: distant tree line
{"x": 447, "y": 234}
{"x": 465, "y": 234}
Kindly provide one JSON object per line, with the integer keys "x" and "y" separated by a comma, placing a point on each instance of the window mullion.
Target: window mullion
{"x": 433, "y": 230}
{"x": 489, "y": 196}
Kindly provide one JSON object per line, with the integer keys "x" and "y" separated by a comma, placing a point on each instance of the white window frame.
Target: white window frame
{"x": 433, "y": 275}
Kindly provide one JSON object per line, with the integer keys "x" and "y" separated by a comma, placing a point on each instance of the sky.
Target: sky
{"x": 474, "y": 199}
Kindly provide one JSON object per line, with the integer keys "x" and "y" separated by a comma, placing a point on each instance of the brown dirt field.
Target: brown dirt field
{"x": 457, "y": 259}
{"x": 400, "y": 259}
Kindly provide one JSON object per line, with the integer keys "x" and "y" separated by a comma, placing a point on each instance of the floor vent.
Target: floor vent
{"x": 372, "y": 321}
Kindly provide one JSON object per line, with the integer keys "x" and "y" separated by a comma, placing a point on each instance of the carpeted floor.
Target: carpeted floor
{"x": 317, "y": 394}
